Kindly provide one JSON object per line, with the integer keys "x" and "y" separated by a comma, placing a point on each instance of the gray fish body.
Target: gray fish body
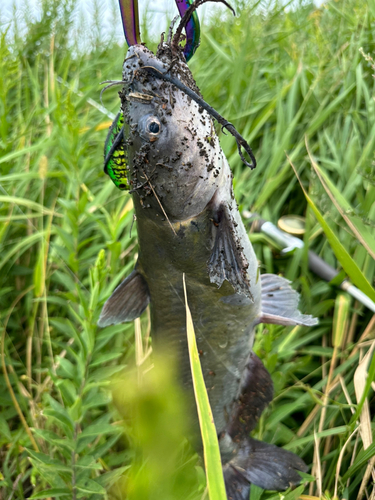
{"x": 223, "y": 321}
{"x": 188, "y": 222}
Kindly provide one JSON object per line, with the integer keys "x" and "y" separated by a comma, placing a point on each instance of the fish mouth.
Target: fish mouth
{"x": 139, "y": 56}
{"x": 177, "y": 73}
{"x": 142, "y": 64}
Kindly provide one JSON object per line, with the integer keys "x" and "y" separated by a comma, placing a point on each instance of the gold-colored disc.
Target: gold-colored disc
{"x": 292, "y": 224}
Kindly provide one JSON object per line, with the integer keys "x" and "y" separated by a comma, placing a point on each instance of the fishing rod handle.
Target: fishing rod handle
{"x": 289, "y": 242}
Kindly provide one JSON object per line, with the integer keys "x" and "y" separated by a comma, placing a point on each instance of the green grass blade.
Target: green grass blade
{"x": 348, "y": 264}
{"x": 340, "y": 319}
{"x": 212, "y": 460}
{"x": 323, "y": 114}
{"x": 361, "y": 231}
{"x": 31, "y": 149}
{"x": 360, "y": 461}
{"x": 22, "y": 246}
{"x": 32, "y": 205}
{"x": 52, "y": 492}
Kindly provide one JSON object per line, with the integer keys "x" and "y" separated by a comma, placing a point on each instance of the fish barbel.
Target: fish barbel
{"x": 188, "y": 222}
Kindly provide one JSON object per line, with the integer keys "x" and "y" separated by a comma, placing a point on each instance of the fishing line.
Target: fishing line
{"x": 140, "y": 186}
{"x": 132, "y": 224}
{"x": 157, "y": 199}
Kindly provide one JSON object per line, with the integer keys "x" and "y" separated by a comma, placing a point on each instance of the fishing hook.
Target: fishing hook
{"x": 192, "y": 27}
{"x": 241, "y": 142}
{"x": 190, "y": 21}
{"x": 130, "y": 21}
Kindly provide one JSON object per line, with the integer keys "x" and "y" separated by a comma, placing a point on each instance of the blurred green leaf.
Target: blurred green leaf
{"x": 362, "y": 458}
{"x": 52, "y": 492}
{"x": 212, "y": 459}
{"x": 49, "y": 462}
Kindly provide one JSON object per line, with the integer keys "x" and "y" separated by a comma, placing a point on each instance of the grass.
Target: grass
{"x": 293, "y": 81}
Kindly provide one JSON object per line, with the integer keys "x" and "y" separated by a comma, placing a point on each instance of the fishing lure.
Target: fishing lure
{"x": 115, "y": 164}
{"x": 192, "y": 28}
{"x": 188, "y": 222}
{"x": 115, "y": 161}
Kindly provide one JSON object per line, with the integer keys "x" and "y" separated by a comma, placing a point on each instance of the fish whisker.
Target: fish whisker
{"x": 112, "y": 83}
{"x": 157, "y": 199}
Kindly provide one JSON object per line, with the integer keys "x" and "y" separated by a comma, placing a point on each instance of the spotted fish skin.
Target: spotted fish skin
{"x": 188, "y": 222}
{"x": 115, "y": 157}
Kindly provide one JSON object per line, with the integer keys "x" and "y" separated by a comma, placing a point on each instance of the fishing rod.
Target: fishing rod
{"x": 289, "y": 243}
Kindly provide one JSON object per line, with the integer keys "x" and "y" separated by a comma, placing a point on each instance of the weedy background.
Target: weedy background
{"x": 291, "y": 80}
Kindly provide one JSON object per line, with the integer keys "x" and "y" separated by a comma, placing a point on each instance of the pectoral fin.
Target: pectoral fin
{"x": 228, "y": 261}
{"x": 280, "y": 303}
{"x": 127, "y": 302}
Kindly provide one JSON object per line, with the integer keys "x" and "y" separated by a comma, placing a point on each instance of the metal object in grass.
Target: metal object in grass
{"x": 289, "y": 243}
{"x": 188, "y": 222}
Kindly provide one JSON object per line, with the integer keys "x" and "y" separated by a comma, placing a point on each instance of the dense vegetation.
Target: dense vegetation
{"x": 292, "y": 81}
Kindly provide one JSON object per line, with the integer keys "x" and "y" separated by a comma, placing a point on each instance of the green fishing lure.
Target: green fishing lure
{"x": 115, "y": 161}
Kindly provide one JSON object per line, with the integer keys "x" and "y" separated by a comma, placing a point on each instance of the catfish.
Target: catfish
{"x": 188, "y": 222}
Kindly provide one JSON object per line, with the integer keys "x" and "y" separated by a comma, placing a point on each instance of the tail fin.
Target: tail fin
{"x": 266, "y": 465}
{"x": 236, "y": 485}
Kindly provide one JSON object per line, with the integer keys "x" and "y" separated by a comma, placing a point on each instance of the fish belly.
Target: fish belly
{"x": 223, "y": 320}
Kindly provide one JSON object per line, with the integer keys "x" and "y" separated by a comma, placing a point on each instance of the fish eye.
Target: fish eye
{"x": 153, "y": 127}
{"x": 149, "y": 127}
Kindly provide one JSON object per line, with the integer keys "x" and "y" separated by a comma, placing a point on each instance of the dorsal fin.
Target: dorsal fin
{"x": 280, "y": 303}
{"x": 127, "y": 302}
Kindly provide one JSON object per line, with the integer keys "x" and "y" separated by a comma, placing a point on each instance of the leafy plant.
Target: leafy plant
{"x": 286, "y": 77}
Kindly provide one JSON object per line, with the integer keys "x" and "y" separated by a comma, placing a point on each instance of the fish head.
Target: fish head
{"x": 174, "y": 156}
